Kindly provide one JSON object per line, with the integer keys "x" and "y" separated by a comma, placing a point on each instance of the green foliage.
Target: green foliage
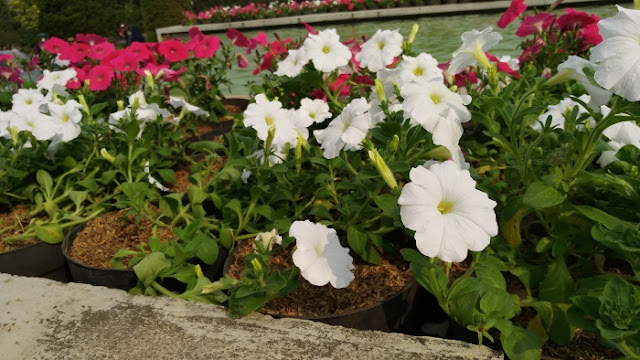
{"x": 65, "y": 18}
{"x": 161, "y": 13}
{"x": 10, "y": 30}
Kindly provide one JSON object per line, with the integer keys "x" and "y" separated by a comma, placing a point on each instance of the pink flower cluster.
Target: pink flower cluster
{"x": 96, "y": 59}
{"x": 548, "y": 28}
{"x": 9, "y": 69}
{"x": 259, "y": 11}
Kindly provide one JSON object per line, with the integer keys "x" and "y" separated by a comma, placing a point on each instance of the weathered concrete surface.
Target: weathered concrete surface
{"x": 444, "y": 9}
{"x": 45, "y": 319}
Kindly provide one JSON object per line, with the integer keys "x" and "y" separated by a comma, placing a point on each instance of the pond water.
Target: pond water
{"x": 438, "y": 36}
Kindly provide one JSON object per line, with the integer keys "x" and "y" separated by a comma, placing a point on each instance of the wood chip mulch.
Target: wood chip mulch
{"x": 13, "y": 223}
{"x": 182, "y": 177}
{"x": 104, "y": 235}
{"x": 372, "y": 284}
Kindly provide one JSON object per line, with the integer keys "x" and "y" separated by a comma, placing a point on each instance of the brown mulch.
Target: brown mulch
{"x": 584, "y": 346}
{"x": 182, "y": 177}
{"x": 12, "y": 223}
{"x": 372, "y": 284}
{"x": 104, "y": 235}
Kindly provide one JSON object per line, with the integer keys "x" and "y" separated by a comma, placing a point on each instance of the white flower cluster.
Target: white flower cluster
{"x": 44, "y": 111}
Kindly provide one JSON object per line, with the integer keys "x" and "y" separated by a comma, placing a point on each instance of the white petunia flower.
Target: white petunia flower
{"x": 449, "y": 215}
{"x": 426, "y": 103}
{"x": 52, "y": 78}
{"x": 67, "y": 118}
{"x": 560, "y": 111}
{"x": 617, "y": 55}
{"x": 31, "y": 98}
{"x": 347, "y": 130}
{"x": 319, "y": 255}
{"x": 268, "y": 239}
{"x": 293, "y": 64}
{"x": 573, "y": 69}
{"x": 474, "y": 45}
{"x": 181, "y": 103}
{"x": 619, "y": 134}
{"x": 245, "y": 175}
{"x": 420, "y": 69}
{"x": 5, "y": 117}
{"x": 264, "y": 115}
{"x": 41, "y": 126}
{"x": 379, "y": 51}
{"x": 152, "y": 180}
{"x": 312, "y": 111}
{"x": 326, "y": 51}
{"x": 448, "y": 133}
{"x": 139, "y": 96}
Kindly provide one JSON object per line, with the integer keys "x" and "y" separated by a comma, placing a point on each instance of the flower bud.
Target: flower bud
{"x": 150, "y": 82}
{"x": 198, "y": 271}
{"x": 120, "y": 105}
{"x": 383, "y": 169}
{"x": 257, "y": 267}
{"x": 380, "y": 90}
{"x": 414, "y": 32}
{"x": 84, "y": 104}
{"x": 394, "y": 143}
{"x": 243, "y": 63}
{"x": 105, "y": 154}
{"x": 269, "y": 238}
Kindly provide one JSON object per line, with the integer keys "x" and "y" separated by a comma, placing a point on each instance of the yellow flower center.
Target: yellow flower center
{"x": 269, "y": 120}
{"x": 445, "y": 207}
{"x": 29, "y": 101}
{"x": 380, "y": 45}
{"x": 326, "y": 49}
{"x": 312, "y": 115}
{"x": 418, "y": 71}
{"x": 65, "y": 118}
{"x": 435, "y": 98}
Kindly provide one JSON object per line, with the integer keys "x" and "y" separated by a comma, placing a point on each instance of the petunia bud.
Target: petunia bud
{"x": 120, "y": 105}
{"x": 150, "y": 82}
{"x": 257, "y": 267}
{"x": 243, "y": 63}
{"x": 546, "y": 73}
{"x": 414, "y": 32}
{"x": 394, "y": 143}
{"x": 383, "y": 168}
{"x": 105, "y": 154}
{"x": 198, "y": 271}
{"x": 380, "y": 90}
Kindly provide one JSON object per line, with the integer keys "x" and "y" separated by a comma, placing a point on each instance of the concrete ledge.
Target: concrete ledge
{"x": 444, "y": 9}
{"x": 45, "y": 319}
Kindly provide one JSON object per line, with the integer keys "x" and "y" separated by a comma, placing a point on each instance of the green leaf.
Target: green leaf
{"x": 429, "y": 276}
{"x": 49, "y": 233}
{"x": 45, "y": 181}
{"x": 557, "y": 285}
{"x": 359, "y": 242}
{"x": 225, "y": 237}
{"x": 541, "y": 196}
{"x": 521, "y": 344}
{"x": 78, "y": 197}
{"x": 604, "y": 218}
{"x": 388, "y": 203}
{"x": 207, "y": 251}
{"x": 152, "y": 266}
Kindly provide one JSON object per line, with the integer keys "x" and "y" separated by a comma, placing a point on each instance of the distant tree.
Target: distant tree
{"x": 162, "y": 13}
{"x": 65, "y": 18}
{"x": 26, "y": 12}
{"x": 10, "y": 29}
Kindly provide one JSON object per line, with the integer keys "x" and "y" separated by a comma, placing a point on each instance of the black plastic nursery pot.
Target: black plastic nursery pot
{"x": 39, "y": 259}
{"x": 222, "y": 127}
{"x": 388, "y": 315}
{"x": 124, "y": 279}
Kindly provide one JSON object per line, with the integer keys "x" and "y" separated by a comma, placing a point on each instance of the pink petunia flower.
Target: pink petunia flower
{"x": 243, "y": 63}
{"x": 504, "y": 67}
{"x": 516, "y": 9}
{"x": 535, "y": 24}
{"x": 100, "y": 78}
{"x": 101, "y": 50}
{"x": 154, "y": 69}
{"x": 76, "y": 53}
{"x": 195, "y": 33}
{"x": 206, "y": 47}
{"x": 590, "y": 35}
{"x": 310, "y": 29}
{"x": 528, "y": 53}
{"x": 56, "y": 45}
{"x": 573, "y": 20}
{"x": 81, "y": 76}
{"x": 91, "y": 39}
{"x": 173, "y": 50}
{"x": 140, "y": 51}
{"x": 237, "y": 38}
{"x": 125, "y": 62}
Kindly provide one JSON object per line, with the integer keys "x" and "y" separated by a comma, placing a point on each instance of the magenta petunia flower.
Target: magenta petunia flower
{"x": 154, "y": 69}
{"x": 140, "y": 51}
{"x": 535, "y": 24}
{"x": 237, "y": 38}
{"x": 206, "y": 47}
{"x": 91, "y": 39}
{"x": 101, "y": 50}
{"x": 516, "y": 9}
{"x": 56, "y": 45}
{"x": 573, "y": 20}
{"x": 125, "y": 62}
{"x": 100, "y": 78}
{"x": 590, "y": 35}
{"x": 173, "y": 50}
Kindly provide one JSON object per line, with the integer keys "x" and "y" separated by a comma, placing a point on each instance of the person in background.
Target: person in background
{"x": 125, "y": 34}
{"x": 136, "y": 35}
